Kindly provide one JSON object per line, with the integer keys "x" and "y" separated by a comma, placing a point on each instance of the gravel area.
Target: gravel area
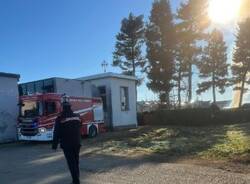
{"x": 38, "y": 164}
{"x": 167, "y": 173}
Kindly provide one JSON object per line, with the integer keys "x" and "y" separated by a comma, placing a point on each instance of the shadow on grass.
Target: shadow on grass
{"x": 234, "y": 146}
{"x": 154, "y": 145}
{"x": 166, "y": 143}
{"x": 123, "y": 149}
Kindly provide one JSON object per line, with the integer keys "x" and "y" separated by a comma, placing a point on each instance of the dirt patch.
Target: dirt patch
{"x": 230, "y": 166}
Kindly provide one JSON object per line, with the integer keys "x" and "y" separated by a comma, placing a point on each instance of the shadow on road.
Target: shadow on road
{"x": 33, "y": 162}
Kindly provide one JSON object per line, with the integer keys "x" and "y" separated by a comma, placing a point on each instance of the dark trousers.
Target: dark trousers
{"x": 72, "y": 157}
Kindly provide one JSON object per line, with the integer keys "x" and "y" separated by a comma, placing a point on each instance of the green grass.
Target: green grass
{"x": 217, "y": 142}
{"x": 235, "y": 143}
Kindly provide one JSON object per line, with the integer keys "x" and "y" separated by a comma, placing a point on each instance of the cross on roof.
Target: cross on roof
{"x": 104, "y": 66}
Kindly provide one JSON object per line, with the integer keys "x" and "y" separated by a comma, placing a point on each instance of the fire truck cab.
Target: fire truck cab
{"x": 38, "y": 114}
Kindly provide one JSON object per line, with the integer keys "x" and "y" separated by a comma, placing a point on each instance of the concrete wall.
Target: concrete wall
{"x": 8, "y": 108}
{"x": 114, "y": 116}
{"x": 73, "y": 87}
{"x": 107, "y": 83}
{"x": 123, "y": 118}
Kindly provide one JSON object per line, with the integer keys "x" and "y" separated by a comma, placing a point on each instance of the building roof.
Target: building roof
{"x": 51, "y": 78}
{"x": 107, "y": 75}
{"x": 92, "y": 77}
{"x": 10, "y": 75}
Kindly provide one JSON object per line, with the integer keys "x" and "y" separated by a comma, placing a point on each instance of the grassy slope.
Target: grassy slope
{"x": 217, "y": 143}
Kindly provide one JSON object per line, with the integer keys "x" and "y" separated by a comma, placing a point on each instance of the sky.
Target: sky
{"x": 70, "y": 39}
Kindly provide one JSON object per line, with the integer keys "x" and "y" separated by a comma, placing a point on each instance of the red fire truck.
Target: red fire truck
{"x": 38, "y": 113}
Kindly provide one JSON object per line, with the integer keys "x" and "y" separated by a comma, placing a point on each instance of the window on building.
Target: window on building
{"x": 50, "y": 108}
{"x": 22, "y": 89}
{"x": 124, "y": 99}
{"x": 103, "y": 95}
{"x": 49, "y": 86}
{"x": 43, "y": 86}
{"x": 30, "y": 88}
{"x": 39, "y": 86}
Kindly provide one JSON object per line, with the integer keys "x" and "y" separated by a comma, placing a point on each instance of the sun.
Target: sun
{"x": 224, "y": 11}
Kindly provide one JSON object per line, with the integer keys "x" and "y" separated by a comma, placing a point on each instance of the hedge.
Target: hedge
{"x": 195, "y": 117}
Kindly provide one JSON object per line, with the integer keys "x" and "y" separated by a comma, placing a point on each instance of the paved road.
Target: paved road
{"x": 37, "y": 164}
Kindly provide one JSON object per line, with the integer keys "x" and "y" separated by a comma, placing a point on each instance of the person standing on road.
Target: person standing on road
{"x": 67, "y": 133}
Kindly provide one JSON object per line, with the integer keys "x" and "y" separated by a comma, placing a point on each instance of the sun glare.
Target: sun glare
{"x": 224, "y": 11}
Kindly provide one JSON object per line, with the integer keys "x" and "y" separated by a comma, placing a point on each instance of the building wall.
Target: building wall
{"x": 114, "y": 116}
{"x": 73, "y": 87}
{"x": 107, "y": 83}
{"x": 123, "y": 118}
{"x": 8, "y": 108}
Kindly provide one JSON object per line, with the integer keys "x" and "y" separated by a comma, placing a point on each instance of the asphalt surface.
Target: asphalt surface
{"x": 38, "y": 164}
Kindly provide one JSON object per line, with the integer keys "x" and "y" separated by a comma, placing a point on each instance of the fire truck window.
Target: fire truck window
{"x": 124, "y": 99}
{"x": 30, "y": 109}
{"x": 50, "y": 108}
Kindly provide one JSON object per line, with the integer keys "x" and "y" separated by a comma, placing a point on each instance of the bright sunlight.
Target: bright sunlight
{"x": 224, "y": 11}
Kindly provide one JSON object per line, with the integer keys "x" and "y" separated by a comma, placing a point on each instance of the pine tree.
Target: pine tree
{"x": 179, "y": 76}
{"x": 160, "y": 40}
{"x": 193, "y": 21}
{"x": 128, "y": 55}
{"x": 213, "y": 66}
{"x": 241, "y": 59}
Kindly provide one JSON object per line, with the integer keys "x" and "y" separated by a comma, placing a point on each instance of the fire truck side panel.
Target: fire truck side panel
{"x": 90, "y": 111}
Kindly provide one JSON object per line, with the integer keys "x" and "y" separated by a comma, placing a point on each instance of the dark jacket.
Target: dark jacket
{"x": 67, "y": 131}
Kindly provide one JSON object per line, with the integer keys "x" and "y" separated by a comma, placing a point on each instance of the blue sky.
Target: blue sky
{"x": 62, "y": 38}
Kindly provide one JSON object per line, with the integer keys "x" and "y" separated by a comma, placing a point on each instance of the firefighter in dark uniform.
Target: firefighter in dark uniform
{"x": 67, "y": 133}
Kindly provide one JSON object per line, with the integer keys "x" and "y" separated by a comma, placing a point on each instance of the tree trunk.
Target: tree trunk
{"x": 190, "y": 83}
{"x": 214, "y": 92}
{"x": 167, "y": 99}
{"x": 179, "y": 89}
{"x": 136, "y": 83}
{"x": 242, "y": 92}
{"x": 243, "y": 86}
{"x": 133, "y": 61}
{"x": 133, "y": 68}
{"x": 136, "y": 92}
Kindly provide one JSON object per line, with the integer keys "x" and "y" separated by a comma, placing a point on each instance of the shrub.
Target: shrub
{"x": 196, "y": 117}
{"x": 140, "y": 117}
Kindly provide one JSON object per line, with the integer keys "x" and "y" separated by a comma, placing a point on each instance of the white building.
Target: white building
{"x": 117, "y": 91}
{"x": 9, "y": 106}
{"x": 119, "y": 96}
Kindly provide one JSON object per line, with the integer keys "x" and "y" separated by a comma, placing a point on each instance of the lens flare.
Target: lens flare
{"x": 224, "y": 11}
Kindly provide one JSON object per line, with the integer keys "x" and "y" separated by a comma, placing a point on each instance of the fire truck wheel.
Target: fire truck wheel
{"x": 92, "y": 131}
